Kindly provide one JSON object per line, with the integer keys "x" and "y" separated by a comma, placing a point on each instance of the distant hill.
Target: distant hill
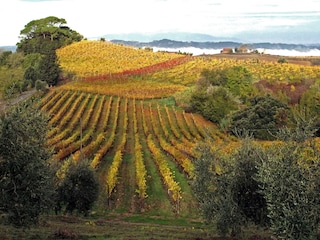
{"x": 9, "y": 48}
{"x": 167, "y": 43}
{"x": 175, "y": 36}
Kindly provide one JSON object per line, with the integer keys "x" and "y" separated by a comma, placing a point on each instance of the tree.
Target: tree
{"x": 227, "y": 190}
{"x": 214, "y": 103}
{"x": 237, "y": 79}
{"x": 49, "y": 70}
{"x": 30, "y": 76}
{"x": 25, "y": 176}
{"x": 3, "y": 57}
{"x": 79, "y": 189}
{"x": 289, "y": 177}
{"x": 262, "y": 118}
{"x": 46, "y": 34}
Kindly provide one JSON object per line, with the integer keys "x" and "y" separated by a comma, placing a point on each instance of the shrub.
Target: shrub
{"x": 79, "y": 189}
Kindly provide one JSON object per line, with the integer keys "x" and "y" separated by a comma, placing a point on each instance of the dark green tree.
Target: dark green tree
{"x": 30, "y": 76}
{"x": 79, "y": 189}
{"x": 26, "y": 178}
{"x": 263, "y": 117}
{"x": 49, "y": 69}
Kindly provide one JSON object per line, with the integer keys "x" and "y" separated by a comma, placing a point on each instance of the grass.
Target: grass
{"x": 122, "y": 227}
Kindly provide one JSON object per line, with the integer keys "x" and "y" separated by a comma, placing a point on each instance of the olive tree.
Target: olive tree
{"x": 289, "y": 178}
{"x": 227, "y": 190}
{"x": 25, "y": 175}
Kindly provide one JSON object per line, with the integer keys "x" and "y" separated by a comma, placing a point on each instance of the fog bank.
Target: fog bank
{"x": 280, "y": 52}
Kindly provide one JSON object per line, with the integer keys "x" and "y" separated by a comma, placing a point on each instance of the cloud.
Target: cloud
{"x": 226, "y": 18}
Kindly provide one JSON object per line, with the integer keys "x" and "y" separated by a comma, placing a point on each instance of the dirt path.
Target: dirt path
{"x": 23, "y": 96}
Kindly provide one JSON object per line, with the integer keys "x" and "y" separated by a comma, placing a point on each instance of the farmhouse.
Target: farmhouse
{"x": 226, "y": 50}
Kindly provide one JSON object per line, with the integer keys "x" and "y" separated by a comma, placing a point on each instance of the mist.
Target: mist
{"x": 280, "y": 52}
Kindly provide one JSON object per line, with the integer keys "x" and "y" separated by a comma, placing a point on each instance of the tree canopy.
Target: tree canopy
{"x": 262, "y": 118}
{"x": 46, "y": 34}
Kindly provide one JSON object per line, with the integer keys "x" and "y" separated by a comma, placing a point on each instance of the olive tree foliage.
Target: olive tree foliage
{"x": 25, "y": 175}
{"x": 289, "y": 178}
{"x": 79, "y": 189}
{"x": 227, "y": 190}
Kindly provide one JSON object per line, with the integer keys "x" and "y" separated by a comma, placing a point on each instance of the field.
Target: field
{"x": 119, "y": 114}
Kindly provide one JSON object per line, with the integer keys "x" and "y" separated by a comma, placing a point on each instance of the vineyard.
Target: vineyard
{"x": 111, "y": 69}
{"x": 142, "y": 150}
{"x": 117, "y": 114}
{"x": 94, "y": 58}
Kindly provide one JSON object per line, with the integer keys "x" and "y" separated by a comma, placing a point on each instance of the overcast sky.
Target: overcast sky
{"x": 290, "y": 21}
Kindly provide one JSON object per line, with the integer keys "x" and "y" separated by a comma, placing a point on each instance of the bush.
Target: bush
{"x": 41, "y": 85}
{"x": 79, "y": 189}
{"x": 214, "y": 103}
{"x": 11, "y": 89}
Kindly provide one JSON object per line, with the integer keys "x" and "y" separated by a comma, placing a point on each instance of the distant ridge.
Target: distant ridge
{"x": 175, "y": 36}
{"x": 175, "y": 44}
{"x": 167, "y": 43}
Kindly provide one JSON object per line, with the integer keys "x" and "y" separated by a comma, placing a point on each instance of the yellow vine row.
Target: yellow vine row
{"x": 179, "y": 157}
{"x": 86, "y": 151}
{"x": 173, "y": 187}
{"x": 66, "y": 118}
{"x": 57, "y": 140}
{"x": 191, "y": 127}
{"x": 144, "y": 123}
{"x": 182, "y": 144}
{"x": 141, "y": 171}
{"x": 63, "y": 109}
{"x": 53, "y": 110}
{"x": 94, "y": 144}
{"x": 74, "y": 142}
{"x": 181, "y": 124}
{"x": 112, "y": 176}
{"x": 47, "y": 103}
{"x": 106, "y": 146}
